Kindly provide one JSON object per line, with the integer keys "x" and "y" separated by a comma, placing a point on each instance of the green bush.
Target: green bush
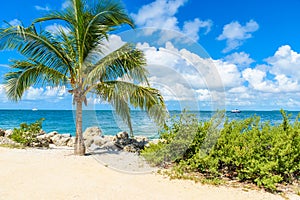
{"x": 246, "y": 150}
{"x": 27, "y": 134}
{"x": 174, "y": 141}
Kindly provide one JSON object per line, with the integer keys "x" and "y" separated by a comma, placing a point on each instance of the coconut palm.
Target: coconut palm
{"x": 74, "y": 56}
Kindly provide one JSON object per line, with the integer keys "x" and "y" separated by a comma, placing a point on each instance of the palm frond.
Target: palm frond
{"x": 122, "y": 94}
{"x": 103, "y": 17}
{"x": 125, "y": 61}
{"x": 39, "y": 47}
{"x": 29, "y": 73}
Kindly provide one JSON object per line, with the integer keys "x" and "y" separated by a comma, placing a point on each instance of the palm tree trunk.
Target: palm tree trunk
{"x": 79, "y": 147}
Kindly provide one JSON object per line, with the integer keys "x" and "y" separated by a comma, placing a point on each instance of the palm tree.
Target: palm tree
{"x": 75, "y": 58}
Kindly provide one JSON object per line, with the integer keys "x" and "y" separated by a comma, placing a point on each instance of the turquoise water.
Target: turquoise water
{"x": 63, "y": 120}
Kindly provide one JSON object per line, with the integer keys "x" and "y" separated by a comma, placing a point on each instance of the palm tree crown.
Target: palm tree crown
{"x": 75, "y": 58}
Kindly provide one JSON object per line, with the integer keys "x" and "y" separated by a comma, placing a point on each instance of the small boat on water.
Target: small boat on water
{"x": 34, "y": 109}
{"x": 235, "y": 111}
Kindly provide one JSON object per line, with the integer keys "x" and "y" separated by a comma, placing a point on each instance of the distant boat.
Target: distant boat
{"x": 235, "y": 111}
{"x": 34, "y": 109}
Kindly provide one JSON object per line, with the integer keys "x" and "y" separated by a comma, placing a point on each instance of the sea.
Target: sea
{"x": 63, "y": 121}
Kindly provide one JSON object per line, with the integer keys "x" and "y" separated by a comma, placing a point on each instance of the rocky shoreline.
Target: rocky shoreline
{"x": 93, "y": 137}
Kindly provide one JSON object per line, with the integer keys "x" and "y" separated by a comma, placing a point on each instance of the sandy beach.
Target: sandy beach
{"x": 57, "y": 174}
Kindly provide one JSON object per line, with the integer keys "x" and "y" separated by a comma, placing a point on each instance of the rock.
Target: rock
{"x": 42, "y": 132}
{"x": 56, "y": 139}
{"x": 110, "y": 146}
{"x": 99, "y": 141}
{"x": 108, "y": 138}
{"x": 71, "y": 142}
{"x": 88, "y": 142}
{"x": 41, "y": 143}
{"x": 92, "y": 132}
{"x": 130, "y": 148}
{"x": 51, "y": 134}
{"x": 2, "y": 133}
{"x": 42, "y": 137}
{"x": 8, "y": 133}
{"x": 141, "y": 139}
{"x": 123, "y": 141}
{"x": 5, "y": 140}
{"x": 64, "y": 141}
{"x": 121, "y": 135}
{"x": 61, "y": 139}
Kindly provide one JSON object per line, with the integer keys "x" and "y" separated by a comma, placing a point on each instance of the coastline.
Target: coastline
{"x": 58, "y": 174}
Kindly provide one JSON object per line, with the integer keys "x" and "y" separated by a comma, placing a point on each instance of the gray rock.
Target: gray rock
{"x": 130, "y": 148}
{"x": 92, "y": 132}
{"x": 8, "y": 133}
{"x": 141, "y": 139}
{"x": 122, "y": 135}
{"x": 51, "y": 134}
{"x": 99, "y": 141}
{"x": 88, "y": 142}
{"x": 108, "y": 138}
{"x": 42, "y": 132}
{"x": 56, "y": 139}
{"x": 110, "y": 146}
{"x": 63, "y": 141}
{"x": 42, "y": 137}
{"x": 6, "y": 140}
{"x": 71, "y": 142}
{"x": 123, "y": 141}
{"x": 2, "y": 133}
{"x": 90, "y": 135}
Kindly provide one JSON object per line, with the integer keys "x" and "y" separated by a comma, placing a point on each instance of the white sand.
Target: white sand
{"x": 57, "y": 174}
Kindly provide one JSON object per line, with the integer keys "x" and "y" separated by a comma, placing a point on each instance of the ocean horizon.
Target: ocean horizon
{"x": 63, "y": 121}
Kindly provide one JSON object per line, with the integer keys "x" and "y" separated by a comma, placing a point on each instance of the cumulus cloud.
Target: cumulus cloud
{"x": 258, "y": 81}
{"x": 191, "y": 28}
{"x": 235, "y": 34}
{"x": 160, "y": 14}
{"x": 241, "y": 59}
{"x": 3, "y": 97}
{"x": 46, "y": 8}
{"x": 47, "y": 93}
{"x": 181, "y": 75}
{"x": 285, "y": 61}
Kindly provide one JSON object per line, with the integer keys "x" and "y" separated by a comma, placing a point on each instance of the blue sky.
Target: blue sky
{"x": 201, "y": 54}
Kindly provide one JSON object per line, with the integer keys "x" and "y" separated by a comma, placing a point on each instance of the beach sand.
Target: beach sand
{"x": 57, "y": 174}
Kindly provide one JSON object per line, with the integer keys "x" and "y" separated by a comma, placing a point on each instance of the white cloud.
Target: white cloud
{"x": 181, "y": 75}
{"x": 55, "y": 28}
{"x": 160, "y": 14}
{"x": 46, "y": 8}
{"x": 258, "y": 81}
{"x": 191, "y": 28}
{"x": 34, "y": 94}
{"x": 47, "y": 93}
{"x": 285, "y": 61}
{"x": 229, "y": 74}
{"x": 235, "y": 34}
{"x": 114, "y": 42}
{"x": 241, "y": 59}
{"x": 3, "y": 97}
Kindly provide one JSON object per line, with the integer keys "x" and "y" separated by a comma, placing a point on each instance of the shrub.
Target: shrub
{"x": 246, "y": 150}
{"x": 27, "y": 134}
{"x": 174, "y": 140}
